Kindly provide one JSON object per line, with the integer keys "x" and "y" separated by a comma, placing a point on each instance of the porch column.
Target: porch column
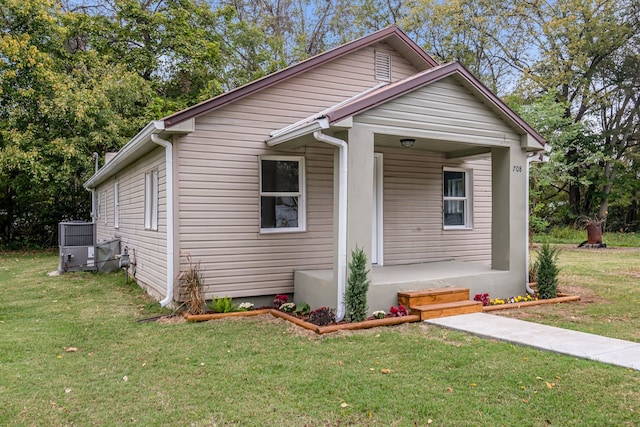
{"x": 509, "y": 210}
{"x": 360, "y": 190}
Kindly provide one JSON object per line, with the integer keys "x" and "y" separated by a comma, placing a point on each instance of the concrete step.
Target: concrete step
{"x": 433, "y": 296}
{"x": 432, "y": 311}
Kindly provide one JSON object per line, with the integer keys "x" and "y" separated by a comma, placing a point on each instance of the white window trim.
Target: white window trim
{"x": 468, "y": 199}
{"x": 151, "y": 200}
{"x": 104, "y": 206}
{"x": 116, "y": 204}
{"x": 302, "y": 205}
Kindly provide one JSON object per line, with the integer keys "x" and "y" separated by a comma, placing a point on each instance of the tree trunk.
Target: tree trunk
{"x": 610, "y": 175}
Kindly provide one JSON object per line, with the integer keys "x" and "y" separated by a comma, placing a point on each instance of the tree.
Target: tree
{"x": 357, "y": 286}
{"x": 585, "y": 52}
{"x": 58, "y": 105}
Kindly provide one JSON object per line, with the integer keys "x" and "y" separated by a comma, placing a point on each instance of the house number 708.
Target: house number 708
{"x": 517, "y": 168}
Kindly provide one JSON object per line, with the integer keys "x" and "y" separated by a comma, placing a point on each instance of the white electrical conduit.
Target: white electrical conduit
{"x": 342, "y": 218}
{"x": 168, "y": 147}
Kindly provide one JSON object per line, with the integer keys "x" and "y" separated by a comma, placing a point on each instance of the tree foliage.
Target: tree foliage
{"x": 83, "y": 76}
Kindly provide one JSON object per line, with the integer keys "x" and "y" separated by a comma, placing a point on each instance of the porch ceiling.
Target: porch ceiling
{"x": 450, "y": 148}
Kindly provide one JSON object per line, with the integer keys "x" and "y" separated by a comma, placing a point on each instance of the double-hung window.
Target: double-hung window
{"x": 151, "y": 200}
{"x": 457, "y": 203}
{"x": 282, "y": 194}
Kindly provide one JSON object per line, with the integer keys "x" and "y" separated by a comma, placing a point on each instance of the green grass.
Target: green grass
{"x": 607, "y": 281}
{"x": 266, "y": 372}
{"x": 575, "y": 236}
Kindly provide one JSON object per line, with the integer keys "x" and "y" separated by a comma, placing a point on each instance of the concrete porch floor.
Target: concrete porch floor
{"x": 317, "y": 287}
{"x": 410, "y": 274}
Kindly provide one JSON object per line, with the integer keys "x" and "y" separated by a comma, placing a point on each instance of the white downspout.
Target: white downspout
{"x": 168, "y": 147}
{"x": 342, "y": 218}
{"x": 526, "y": 274}
{"x": 94, "y": 204}
{"x": 536, "y": 157}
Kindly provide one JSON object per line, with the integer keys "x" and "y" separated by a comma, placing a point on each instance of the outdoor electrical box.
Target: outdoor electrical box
{"x": 76, "y": 243}
{"x": 107, "y": 254}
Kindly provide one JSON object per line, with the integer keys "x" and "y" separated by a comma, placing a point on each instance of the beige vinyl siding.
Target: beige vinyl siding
{"x": 446, "y": 111}
{"x": 219, "y": 222}
{"x": 146, "y": 247}
{"x": 219, "y": 183}
{"x": 413, "y": 230}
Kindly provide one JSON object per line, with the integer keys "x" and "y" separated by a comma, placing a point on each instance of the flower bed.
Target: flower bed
{"x": 370, "y": 323}
{"x": 559, "y": 299}
{"x": 319, "y": 320}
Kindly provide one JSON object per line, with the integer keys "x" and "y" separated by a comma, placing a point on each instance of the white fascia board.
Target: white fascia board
{"x": 135, "y": 144}
{"x": 291, "y": 134}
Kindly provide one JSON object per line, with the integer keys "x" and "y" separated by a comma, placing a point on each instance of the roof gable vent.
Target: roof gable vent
{"x": 383, "y": 66}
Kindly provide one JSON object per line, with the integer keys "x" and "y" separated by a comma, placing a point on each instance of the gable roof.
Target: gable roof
{"x": 392, "y": 35}
{"x": 382, "y": 94}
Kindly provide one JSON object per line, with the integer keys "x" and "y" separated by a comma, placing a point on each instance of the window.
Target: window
{"x": 457, "y": 198}
{"x": 282, "y": 194}
{"x": 116, "y": 204}
{"x": 151, "y": 200}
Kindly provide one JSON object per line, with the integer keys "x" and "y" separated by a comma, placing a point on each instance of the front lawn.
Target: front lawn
{"x": 72, "y": 353}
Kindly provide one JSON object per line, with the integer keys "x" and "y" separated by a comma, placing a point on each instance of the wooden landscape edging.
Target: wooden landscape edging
{"x": 213, "y": 316}
{"x": 310, "y": 326}
{"x": 561, "y": 298}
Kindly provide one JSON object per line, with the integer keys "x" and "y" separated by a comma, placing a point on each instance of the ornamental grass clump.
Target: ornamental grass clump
{"x": 355, "y": 297}
{"x": 191, "y": 283}
{"x": 547, "y": 272}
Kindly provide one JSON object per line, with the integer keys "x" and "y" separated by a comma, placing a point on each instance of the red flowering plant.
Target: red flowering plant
{"x": 398, "y": 311}
{"x": 280, "y": 299}
{"x": 484, "y": 298}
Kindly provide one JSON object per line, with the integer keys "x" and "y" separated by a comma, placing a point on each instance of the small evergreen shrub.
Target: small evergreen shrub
{"x": 547, "y": 272}
{"x": 357, "y": 286}
{"x": 322, "y": 316}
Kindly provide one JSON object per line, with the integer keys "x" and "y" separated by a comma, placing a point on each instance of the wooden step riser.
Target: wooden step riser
{"x": 434, "y": 298}
{"x": 449, "y": 311}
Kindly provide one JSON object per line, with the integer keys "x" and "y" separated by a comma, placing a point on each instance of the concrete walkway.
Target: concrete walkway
{"x": 578, "y": 344}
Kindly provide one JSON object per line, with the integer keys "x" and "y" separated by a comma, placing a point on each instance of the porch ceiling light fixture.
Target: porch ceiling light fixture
{"x": 407, "y": 142}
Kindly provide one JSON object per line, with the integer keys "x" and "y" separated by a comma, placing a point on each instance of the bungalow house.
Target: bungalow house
{"x": 272, "y": 185}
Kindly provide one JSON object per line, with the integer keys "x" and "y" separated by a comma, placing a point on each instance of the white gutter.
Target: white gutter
{"x": 120, "y": 160}
{"x": 342, "y": 218}
{"x": 168, "y": 147}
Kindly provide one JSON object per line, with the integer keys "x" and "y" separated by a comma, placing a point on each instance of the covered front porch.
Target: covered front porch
{"x": 319, "y": 286}
{"x": 431, "y": 179}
